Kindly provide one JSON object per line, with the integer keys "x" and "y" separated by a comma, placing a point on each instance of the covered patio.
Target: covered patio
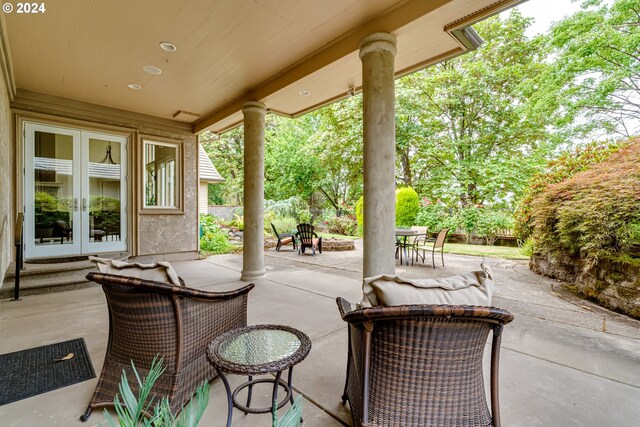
{"x": 564, "y": 361}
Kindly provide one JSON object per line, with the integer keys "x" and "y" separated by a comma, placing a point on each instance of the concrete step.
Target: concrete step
{"x": 44, "y": 278}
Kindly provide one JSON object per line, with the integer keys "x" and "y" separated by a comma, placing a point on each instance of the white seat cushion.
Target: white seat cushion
{"x": 473, "y": 288}
{"x": 159, "y": 271}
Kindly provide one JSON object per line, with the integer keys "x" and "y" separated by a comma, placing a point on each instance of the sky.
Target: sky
{"x": 546, "y": 12}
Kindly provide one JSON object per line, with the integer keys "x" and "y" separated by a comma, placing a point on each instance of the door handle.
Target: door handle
{"x": 84, "y": 204}
{"x": 75, "y": 204}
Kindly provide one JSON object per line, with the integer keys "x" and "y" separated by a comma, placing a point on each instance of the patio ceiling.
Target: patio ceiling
{"x": 228, "y": 52}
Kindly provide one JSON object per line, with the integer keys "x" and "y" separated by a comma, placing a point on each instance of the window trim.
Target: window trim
{"x": 179, "y": 185}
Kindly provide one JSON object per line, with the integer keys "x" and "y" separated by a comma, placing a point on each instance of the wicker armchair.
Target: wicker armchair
{"x": 148, "y": 318}
{"x": 421, "y": 365}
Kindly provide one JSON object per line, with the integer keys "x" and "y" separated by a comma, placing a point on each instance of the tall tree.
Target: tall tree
{"x": 292, "y": 167}
{"x": 599, "y": 50}
{"x": 227, "y": 154}
{"x": 338, "y": 144}
{"x": 474, "y": 129}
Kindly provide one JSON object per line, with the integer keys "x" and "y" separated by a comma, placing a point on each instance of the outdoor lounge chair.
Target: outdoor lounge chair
{"x": 307, "y": 238}
{"x": 283, "y": 238}
{"x": 423, "y": 244}
{"x": 148, "y": 318}
{"x": 421, "y": 365}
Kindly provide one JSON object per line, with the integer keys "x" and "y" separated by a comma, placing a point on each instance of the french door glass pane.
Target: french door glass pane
{"x": 53, "y": 189}
{"x": 105, "y": 223}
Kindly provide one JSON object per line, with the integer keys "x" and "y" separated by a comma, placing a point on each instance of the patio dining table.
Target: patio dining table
{"x": 402, "y": 234}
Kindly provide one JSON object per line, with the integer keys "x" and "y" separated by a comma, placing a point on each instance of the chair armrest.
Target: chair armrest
{"x": 344, "y": 306}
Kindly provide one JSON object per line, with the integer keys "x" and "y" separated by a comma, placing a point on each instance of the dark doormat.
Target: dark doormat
{"x": 57, "y": 260}
{"x": 38, "y": 370}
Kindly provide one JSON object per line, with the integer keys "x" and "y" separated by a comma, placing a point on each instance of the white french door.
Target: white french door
{"x": 75, "y": 191}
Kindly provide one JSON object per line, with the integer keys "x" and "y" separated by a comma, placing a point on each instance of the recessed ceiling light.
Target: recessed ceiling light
{"x": 134, "y": 86}
{"x": 169, "y": 47}
{"x": 304, "y": 92}
{"x": 151, "y": 69}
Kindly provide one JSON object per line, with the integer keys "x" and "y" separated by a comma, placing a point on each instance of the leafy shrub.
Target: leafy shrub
{"x": 237, "y": 222}
{"x": 345, "y": 225}
{"x": 469, "y": 217}
{"x": 214, "y": 240}
{"x": 436, "y": 216}
{"x": 561, "y": 169}
{"x": 130, "y": 410}
{"x": 594, "y": 213}
{"x": 304, "y": 216}
{"x": 490, "y": 222}
{"x": 360, "y": 215}
{"x": 407, "y": 206}
{"x": 286, "y": 208}
{"x": 282, "y": 224}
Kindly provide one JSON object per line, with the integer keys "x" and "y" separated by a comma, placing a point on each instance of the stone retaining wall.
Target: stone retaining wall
{"x": 613, "y": 285}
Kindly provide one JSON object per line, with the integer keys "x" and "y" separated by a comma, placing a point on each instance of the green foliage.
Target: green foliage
{"x": 490, "y": 222}
{"x": 304, "y": 216}
{"x": 344, "y": 225}
{"x": 593, "y": 214}
{"x": 130, "y": 410}
{"x": 227, "y": 155}
{"x": 292, "y": 167}
{"x": 473, "y": 130}
{"x": 214, "y": 240}
{"x": 283, "y": 224}
{"x": 407, "y": 206}
{"x": 528, "y": 247}
{"x": 360, "y": 216}
{"x": 436, "y": 216}
{"x": 597, "y": 51}
{"x": 565, "y": 166}
{"x": 287, "y": 207}
{"x": 215, "y": 194}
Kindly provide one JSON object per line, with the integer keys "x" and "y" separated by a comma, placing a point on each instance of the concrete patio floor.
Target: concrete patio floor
{"x": 564, "y": 361}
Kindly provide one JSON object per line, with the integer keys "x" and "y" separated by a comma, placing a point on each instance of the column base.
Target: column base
{"x": 251, "y": 275}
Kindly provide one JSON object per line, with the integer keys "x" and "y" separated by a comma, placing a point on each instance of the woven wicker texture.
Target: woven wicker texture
{"x": 177, "y": 323}
{"x": 421, "y": 365}
{"x": 259, "y": 349}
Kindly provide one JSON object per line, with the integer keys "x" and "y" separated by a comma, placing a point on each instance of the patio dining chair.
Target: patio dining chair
{"x": 149, "y": 318}
{"x": 421, "y": 365}
{"x": 308, "y": 238}
{"x": 283, "y": 239}
{"x": 425, "y": 244}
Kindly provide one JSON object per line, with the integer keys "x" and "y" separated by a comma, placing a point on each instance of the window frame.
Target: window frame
{"x": 178, "y": 207}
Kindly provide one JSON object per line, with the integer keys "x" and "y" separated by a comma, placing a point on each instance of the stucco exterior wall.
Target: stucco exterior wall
{"x": 6, "y": 183}
{"x": 175, "y": 235}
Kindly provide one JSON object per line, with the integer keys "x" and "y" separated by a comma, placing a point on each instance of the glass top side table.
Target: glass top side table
{"x": 258, "y": 350}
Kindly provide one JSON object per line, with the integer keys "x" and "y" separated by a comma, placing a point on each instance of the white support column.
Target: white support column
{"x": 377, "y": 53}
{"x": 253, "y": 238}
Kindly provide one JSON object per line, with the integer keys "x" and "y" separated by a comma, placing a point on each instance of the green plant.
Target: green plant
{"x": 214, "y": 239}
{"x": 407, "y": 206}
{"x": 360, "y": 215}
{"x": 131, "y": 409}
{"x": 469, "y": 219}
{"x": 528, "y": 247}
{"x": 595, "y": 213}
{"x": 304, "y": 216}
{"x": 282, "y": 224}
{"x": 564, "y": 167}
{"x": 489, "y": 222}
{"x": 345, "y": 225}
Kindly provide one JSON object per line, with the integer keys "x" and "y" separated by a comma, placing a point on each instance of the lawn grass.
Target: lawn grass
{"x": 505, "y": 252}
{"x": 481, "y": 250}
